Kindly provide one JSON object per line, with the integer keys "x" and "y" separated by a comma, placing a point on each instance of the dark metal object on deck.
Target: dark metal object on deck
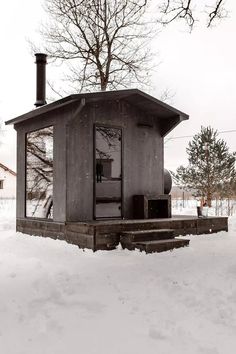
{"x": 167, "y": 181}
{"x": 151, "y": 207}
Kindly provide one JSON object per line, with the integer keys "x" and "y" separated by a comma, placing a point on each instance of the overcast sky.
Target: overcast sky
{"x": 198, "y": 68}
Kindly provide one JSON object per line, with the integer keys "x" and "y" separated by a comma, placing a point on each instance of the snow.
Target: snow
{"x": 58, "y": 299}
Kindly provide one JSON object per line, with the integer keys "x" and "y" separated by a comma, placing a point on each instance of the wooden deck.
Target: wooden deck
{"x": 106, "y": 234}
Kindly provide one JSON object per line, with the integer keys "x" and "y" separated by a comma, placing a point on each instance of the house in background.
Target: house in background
{"x": 7, "y": 183}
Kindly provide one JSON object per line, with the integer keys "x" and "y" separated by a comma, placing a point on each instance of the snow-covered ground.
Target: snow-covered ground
{"x": 58, "y": 299}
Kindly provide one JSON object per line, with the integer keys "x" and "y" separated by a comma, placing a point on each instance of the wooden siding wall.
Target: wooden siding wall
{"x": 58, "y": 120}
{"x": 142, "y": 156}
{"x": 73, "y": 187}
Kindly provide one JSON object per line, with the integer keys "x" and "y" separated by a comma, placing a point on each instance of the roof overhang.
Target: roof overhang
{"x": 169, "y": 116}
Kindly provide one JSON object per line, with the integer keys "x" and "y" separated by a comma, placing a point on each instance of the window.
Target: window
{"x": 1, "y": 183}
{"x": 108, "y": 174}
{"x": 39, "y": 173}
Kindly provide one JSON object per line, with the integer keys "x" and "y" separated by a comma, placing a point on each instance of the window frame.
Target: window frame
{"x": 111, "y": 126}
{"x": 25, "y": 175}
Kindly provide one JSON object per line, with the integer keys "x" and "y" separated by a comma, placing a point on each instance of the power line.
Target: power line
{"x": 191, "y": 136}
{"x": 227, "y": 131}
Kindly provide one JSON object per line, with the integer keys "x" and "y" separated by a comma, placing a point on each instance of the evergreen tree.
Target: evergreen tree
{"x": 211, "y": 166}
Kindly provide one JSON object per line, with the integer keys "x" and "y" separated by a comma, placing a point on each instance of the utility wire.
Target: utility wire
{"x": 191, "y": 136}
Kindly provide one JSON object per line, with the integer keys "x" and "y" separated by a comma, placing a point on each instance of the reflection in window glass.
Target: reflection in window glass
{"x": 39, "y": 173}
{"x": 108, "y": 172}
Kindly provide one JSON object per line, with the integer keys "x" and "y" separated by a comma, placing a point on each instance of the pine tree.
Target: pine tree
{"x": 211, "y": 166}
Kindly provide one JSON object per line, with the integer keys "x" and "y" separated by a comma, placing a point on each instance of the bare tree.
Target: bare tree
{"x": 104, "y": 41}
{"x": 39, "y": 168}
{"x": 172, "y": 10}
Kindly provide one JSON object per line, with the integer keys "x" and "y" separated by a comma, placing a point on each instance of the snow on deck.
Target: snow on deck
{"x": 58, "y": 299}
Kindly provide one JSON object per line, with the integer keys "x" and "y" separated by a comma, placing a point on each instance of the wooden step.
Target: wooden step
{"x": 146, "y": 235}
{"x": 160, "y": 245}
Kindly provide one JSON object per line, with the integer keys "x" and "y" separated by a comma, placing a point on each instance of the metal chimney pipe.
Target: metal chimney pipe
{"x": 41, "y": 61}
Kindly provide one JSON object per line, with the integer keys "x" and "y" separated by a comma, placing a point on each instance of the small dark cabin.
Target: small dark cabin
{"x": 88, "y": 156}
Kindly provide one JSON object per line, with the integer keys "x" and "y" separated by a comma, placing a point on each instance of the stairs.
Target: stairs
{"x": 151, "y": 240}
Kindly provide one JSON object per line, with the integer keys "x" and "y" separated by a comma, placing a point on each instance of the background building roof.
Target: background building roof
{"x": 5, "y": 168}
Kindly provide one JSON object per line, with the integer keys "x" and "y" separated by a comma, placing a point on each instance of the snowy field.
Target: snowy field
{"x": 58, "y": 299}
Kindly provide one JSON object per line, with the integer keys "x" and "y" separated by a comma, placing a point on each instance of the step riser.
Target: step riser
{"x": 169, "y": 245}
{"x": 151, "y": 241}
{"x": 163, "y": 247}
{"x": 128, "y": 238}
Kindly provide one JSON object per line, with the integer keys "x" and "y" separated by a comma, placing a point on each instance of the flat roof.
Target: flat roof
{"x": 136, "y": 97}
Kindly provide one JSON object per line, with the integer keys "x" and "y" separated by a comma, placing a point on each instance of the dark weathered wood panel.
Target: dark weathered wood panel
{"x": 84, "y": 228}
{"x": 57, "y": 119}
{"x": 161, "y": 246}
{"x": 59, "y": 171}
{"x": 41, "y": 228}
{"x": 211, "y": 225}
{"x": 142, "y": 156}
{"x": 81, "y": 240}
{"x": 20, "y": 181}
{"x": 80, "y": 167}
{"x": 106, "y": 241}
{"x": 106, "y": 235}
{"x": 146, "y": 235}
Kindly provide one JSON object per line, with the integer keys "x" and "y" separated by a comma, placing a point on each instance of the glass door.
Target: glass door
{"x": 108, "y": 172}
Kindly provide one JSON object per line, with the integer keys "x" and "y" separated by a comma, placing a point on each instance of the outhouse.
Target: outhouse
{"x": 89, "y": 156}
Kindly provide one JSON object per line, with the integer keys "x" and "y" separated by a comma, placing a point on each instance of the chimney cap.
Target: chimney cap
{"x": 41, "y": 58}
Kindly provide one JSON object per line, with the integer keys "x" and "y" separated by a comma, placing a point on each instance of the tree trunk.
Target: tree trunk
{"x": 104, "y": 82}
{"x": 209, "y": 199}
